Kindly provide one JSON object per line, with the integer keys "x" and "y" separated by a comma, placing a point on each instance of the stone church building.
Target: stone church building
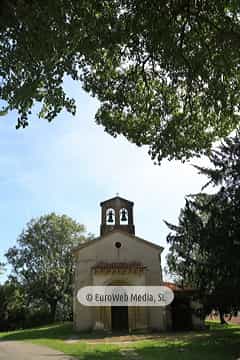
{"x": 118, "y": 257}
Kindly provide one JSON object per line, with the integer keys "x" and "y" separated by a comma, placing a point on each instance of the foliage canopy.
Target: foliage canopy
{"x": 42, "y": 262}
{"x": 205, "y": 246}
{"x": 166, "y": 72}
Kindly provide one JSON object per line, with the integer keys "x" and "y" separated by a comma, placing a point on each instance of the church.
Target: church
{"x": 119, "y": 257}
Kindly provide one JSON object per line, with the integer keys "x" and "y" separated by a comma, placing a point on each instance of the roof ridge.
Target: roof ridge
{"x": 116, "y": 197}
{"x": 90, "y": 242}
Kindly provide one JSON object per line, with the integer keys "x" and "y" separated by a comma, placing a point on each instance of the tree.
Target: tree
{"x": 184, "y": 260}
{"x": 42, "y": 262}
{"x": 203, "y": 254}
{"x": 205, "y": 246}
{"x": 165, "y": 72}
{"x": 13, "y": 305}
{"x": 226, "y": 168}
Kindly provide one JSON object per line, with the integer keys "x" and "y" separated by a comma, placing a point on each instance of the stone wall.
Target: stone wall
{"x": 132, "y": 250}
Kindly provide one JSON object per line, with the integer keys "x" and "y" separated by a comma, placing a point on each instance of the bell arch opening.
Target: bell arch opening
{"x": 123, "y": 215}
{"x": 110, "y": 217}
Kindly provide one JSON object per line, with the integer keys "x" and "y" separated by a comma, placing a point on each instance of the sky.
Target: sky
{"x": 70, "y": 165}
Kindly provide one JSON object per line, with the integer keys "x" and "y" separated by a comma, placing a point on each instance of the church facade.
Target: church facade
{"x": 119, "y": 257}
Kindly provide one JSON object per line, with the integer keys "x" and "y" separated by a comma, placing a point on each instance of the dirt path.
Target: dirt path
{"x": 17, "y": 350}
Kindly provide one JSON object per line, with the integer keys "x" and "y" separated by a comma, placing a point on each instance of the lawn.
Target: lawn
{"x": 217, "y": 343}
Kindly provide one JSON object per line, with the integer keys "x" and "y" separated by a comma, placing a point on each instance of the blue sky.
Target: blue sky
{"x": 71, "y": 165}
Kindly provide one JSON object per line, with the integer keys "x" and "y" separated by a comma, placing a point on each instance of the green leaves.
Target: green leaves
{"x": 166, "y": 73}
{"x": 43, "y": 261}
{"x": 204, "y": 246}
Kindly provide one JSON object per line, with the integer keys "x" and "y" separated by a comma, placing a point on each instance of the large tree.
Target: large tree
{"x": 166, "y": 72}
{"x": 205, "y": 246}
{"x": 42, "y": 260}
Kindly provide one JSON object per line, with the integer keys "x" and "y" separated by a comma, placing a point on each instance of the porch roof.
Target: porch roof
{"x": 119, "y": 267}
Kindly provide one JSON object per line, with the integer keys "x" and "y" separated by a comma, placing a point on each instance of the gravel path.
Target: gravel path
{"x": 17, "y": 350}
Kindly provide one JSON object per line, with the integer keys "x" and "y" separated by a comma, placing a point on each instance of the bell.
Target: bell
{"x": 110, "y": 217}
{"x": 124, "y": 215}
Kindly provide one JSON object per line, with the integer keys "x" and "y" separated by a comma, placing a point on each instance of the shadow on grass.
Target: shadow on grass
{"x": 62, "y": 331}
{"x": 57, "y": 331}
{"x": 218, "y": 343}
{"x": 222, "y": 344}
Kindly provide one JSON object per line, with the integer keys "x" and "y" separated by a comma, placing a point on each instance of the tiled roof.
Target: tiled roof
{"x": 119, "y": 267}
{"x": 175, "y": 287}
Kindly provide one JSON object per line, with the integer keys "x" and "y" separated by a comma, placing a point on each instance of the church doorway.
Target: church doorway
{"x": 119, "y": 318}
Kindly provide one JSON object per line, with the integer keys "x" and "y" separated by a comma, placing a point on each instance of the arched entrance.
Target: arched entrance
{"x": 119, "y": 315}
{"x": 121, "y": 318}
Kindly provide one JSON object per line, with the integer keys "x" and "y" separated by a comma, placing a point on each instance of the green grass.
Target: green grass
{"x": 220, "y": 342}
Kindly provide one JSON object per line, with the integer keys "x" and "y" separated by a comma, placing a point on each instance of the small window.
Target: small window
{"x": 118, "y": 245}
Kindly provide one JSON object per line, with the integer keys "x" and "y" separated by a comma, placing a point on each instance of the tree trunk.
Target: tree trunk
{"x": 53, "y": 307}
{"x": 221, "y": 315}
